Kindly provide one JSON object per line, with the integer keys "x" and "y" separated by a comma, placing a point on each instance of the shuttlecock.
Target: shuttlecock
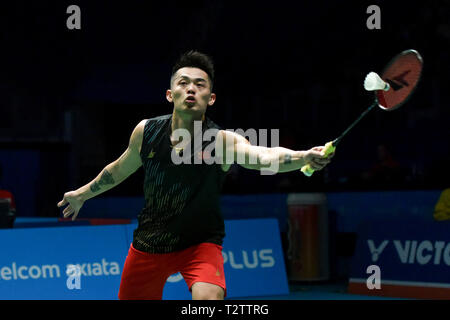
{"x": 374, "y": 82}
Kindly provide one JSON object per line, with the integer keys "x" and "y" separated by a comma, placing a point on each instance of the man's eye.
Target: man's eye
{"x": 200, "y": 85}
{"x": 183, "y": 83}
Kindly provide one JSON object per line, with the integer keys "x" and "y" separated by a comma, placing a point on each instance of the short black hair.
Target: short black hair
{"x": 195, "y": 59}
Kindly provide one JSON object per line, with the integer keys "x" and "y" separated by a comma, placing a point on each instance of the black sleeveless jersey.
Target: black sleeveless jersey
{"x": 182, "y": 202}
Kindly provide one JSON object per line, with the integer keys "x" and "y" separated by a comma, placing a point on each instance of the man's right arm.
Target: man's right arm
{"x": 113, "y": 174}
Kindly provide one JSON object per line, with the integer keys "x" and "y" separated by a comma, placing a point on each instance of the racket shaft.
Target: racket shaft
{"x": 335, "y": 142}
{"x": 330, "y": 147}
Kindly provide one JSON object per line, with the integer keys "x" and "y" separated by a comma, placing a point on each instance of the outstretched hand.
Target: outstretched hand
{"x": 317, "y": 159}
{"x": 74, "y": 201}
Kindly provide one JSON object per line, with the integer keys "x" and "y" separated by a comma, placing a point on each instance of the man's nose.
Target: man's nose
{"x": 191, "y": 88}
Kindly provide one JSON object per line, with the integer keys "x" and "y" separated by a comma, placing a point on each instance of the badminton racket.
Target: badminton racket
{"x": 392, "y": 89}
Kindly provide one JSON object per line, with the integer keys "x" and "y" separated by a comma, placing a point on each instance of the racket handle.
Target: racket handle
{"x": 329, "y": 148}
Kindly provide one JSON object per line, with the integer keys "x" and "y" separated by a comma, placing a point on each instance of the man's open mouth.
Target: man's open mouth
{"x": 190, "y": 100}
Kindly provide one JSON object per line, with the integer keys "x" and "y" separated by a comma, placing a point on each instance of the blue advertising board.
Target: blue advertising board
{"x": 413, "y": 258}
{"x": 34, "y": 262}
{"x": 42, "y": 263}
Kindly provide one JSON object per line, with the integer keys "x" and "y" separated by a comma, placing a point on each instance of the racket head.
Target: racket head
{"x": 403, "y": 74}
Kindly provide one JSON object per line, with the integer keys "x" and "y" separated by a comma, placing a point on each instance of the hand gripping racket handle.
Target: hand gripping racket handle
{"x": 329, "y": 148}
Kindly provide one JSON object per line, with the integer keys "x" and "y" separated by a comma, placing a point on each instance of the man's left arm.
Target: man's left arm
{"x": 277, "y": 159}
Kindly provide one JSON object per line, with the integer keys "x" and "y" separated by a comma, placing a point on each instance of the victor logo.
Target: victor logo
{"x": 376, "y": 251}
{"x": 414, "y": 251}
{"x": 423, "y": 252}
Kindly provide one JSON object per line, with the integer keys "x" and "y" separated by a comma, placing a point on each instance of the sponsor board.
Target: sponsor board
{"x": 37, "y": 263}
{"x": 413, "y": 258}
{"x": 86, "y": 262}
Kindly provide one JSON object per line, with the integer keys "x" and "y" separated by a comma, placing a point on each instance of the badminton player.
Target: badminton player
{"x": 181, "y": 228}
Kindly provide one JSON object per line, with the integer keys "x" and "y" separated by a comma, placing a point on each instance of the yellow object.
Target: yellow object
{"x": 329, "y": 148}
{"x": 442, "y": 208}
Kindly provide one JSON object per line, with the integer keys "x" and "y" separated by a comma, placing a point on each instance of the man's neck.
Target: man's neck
{"x": 183, "y": 121}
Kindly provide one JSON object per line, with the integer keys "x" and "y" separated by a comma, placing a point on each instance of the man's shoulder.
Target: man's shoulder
{"x": 152, "y": 123}
{"x": 164, "y": 117}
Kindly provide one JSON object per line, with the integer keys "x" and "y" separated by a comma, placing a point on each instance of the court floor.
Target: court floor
{"x": 320, "y": 291}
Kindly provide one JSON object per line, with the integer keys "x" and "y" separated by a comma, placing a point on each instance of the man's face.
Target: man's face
{"x": 190, "y": 91}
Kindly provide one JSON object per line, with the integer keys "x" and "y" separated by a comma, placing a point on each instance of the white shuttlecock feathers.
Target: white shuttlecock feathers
{"x": 374, "y": 82}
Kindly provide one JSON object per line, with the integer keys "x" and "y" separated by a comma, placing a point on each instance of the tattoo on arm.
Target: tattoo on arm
{"x": 105, "y": 179}
{"x": 95, "y": 187}
{"x": 287, "y": 158}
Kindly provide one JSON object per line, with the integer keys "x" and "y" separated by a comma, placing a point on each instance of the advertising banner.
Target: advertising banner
{"x": 402, "y": 259}
{"x": 86, "y": 262}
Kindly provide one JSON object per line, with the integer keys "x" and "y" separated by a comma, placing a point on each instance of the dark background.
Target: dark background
{"x": 73, "y": 97}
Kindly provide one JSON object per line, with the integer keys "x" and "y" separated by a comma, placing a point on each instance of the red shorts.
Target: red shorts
{"x": 144, "y": 274}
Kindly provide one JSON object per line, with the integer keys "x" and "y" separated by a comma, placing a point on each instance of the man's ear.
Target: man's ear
{"x": 212, "y": 99}
{"x": 169, "y": 95}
